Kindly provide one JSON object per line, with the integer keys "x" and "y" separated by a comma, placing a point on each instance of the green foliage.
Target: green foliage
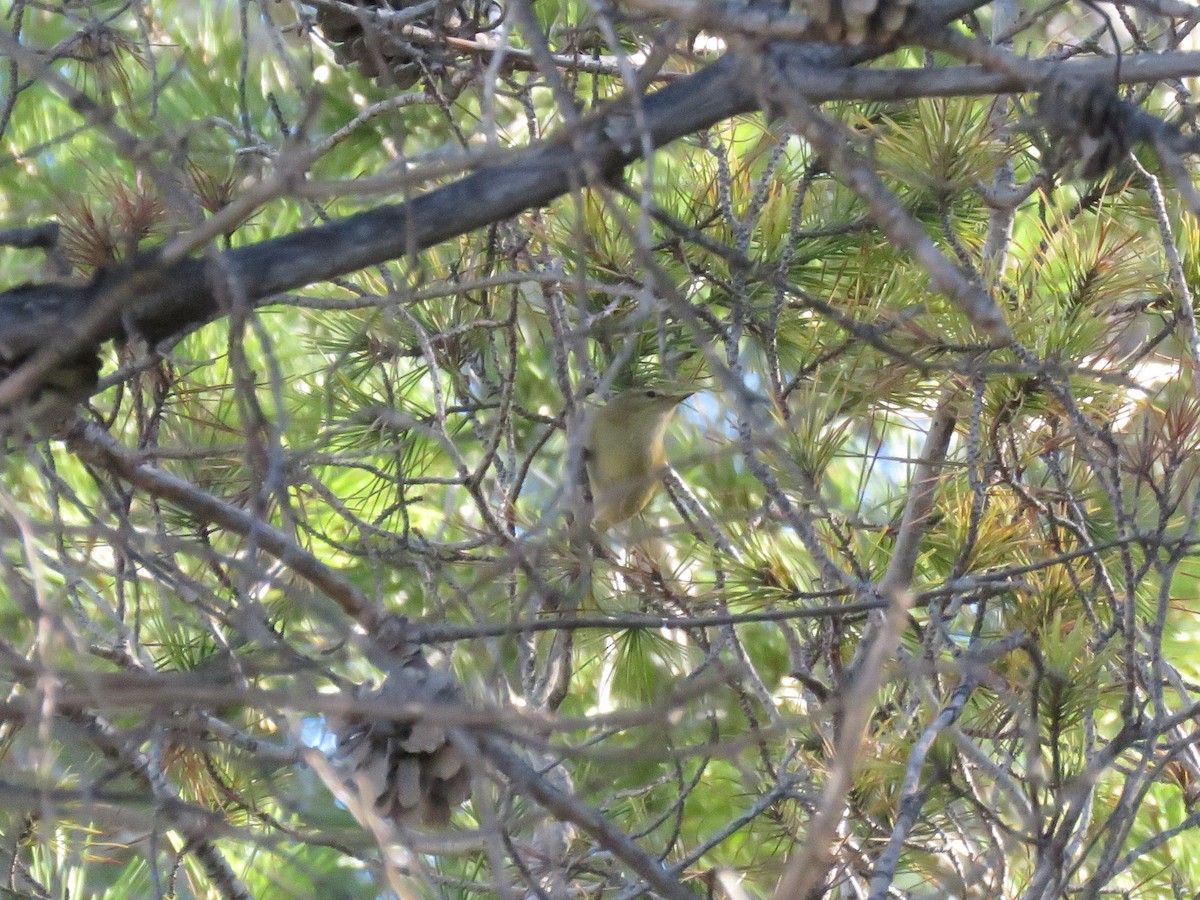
{"x": 417, "y": 428}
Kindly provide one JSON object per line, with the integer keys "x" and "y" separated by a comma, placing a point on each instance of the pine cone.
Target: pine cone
{"x": 409, "y": 770}
{"x": 1088, "y": 124}
{"x": 381, "y": 50}
{"x": 857, "y": 21}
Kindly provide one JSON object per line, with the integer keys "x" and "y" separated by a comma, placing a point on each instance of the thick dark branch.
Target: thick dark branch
{"x": 186, "y": 293}
{"x": 57, "y": 322}
{"x": 30, "y": 236}
{"x": 965, "y": 81}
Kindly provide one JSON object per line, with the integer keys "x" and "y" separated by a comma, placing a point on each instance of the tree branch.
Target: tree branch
{"x": 94, "y": 445}
{"x": 40, "y": 325}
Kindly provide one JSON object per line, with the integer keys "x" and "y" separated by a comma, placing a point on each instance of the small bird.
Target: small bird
{"x": 625, "y": 452}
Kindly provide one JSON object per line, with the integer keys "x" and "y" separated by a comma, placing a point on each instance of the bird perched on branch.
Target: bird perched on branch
{"x": 625, "y": 452}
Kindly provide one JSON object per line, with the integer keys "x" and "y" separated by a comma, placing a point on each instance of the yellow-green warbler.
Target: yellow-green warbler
{"x": 625, "y": 452}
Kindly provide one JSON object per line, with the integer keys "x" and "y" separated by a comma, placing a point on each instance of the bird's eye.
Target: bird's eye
{"x": 651, "y": 394}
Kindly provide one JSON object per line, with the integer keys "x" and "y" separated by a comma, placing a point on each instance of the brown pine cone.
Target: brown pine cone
{"x": 1088, "y": 124}
{"x": 382, "y": 50}
{"x": 857, "y": 21}
{"x": 409, "y": 770}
